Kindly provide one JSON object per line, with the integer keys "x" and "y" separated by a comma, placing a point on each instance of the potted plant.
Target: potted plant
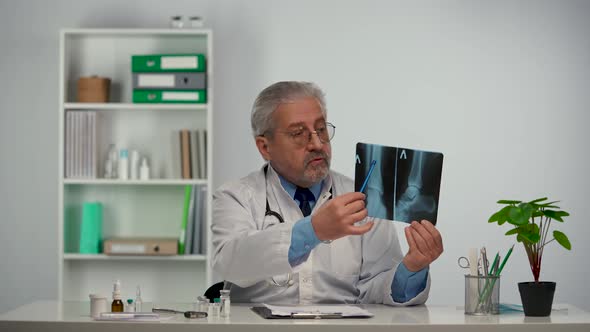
{"x": 531, "y": 222}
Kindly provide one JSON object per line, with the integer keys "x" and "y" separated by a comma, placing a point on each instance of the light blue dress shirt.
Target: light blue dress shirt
{"x": 406, "y": 284}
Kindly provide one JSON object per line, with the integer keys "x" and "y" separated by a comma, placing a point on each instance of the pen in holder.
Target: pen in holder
{"x": 482, "y": 295}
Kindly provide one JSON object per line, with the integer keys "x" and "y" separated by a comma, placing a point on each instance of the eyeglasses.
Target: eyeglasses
{"x": 302, "y": 136}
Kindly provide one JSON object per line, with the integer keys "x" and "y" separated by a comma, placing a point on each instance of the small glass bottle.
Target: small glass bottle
{"x": 138, "y": 300}
{"x": 225, "y": 302}
{"x": 130, "y": 306}
{"x": 117, "y": 305}
{"x": 203, "y": 303}
{"x": 215, "y": 308}
{"x": 195, "y": 22}
{"x": 110, "y": 167}
{"x": 176, "y": 22}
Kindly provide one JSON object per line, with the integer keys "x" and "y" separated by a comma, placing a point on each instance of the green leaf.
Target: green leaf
{"x": 500, "y": 216}
{"x": 529, "y": 233}
{"x": 550, "y": 204}
{"x": 520, "y": 215}
{"x": 538, "y": 200}
{"x": 537, "y": 213}
{"x": 530, "y": 228}
{"x": 527, "y": 209}
{"x": 562, "y": 239}
{"x": 528, "y": 237}
{"x": 512, "y": 231}
{"x": 505, "y": 201}
{"x": 557, "y": 215}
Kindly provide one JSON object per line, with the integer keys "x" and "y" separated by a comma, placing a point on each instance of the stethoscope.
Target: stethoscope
{"x": 270, "y": 213}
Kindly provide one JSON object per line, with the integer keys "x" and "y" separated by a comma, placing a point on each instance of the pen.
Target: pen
{"x": 368, "y": 175}
{"x": 187, "y": 314}
{"x": 504, "y": 261}
{"x": 488, "y": 287}
{"x": 492, "y": 269}
{"x": 484, "y": 261}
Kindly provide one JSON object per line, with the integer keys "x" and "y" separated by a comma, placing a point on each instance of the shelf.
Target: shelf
{"x": 153, "y": 182}
{"x": 131, "y": 208}
{"x": 132, "y": 106}
{"x": 137, "y": 32}
{"x": 103, "y": 257}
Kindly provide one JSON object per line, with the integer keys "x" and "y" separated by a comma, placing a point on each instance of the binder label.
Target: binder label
{"x": 179, "y": 62}
{"x": 193, "y": 96}
{"x": 147, "y": 80}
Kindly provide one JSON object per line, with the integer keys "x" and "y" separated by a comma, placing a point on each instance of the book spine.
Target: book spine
{"x": 183, "y": 224}
{"x": 195, "y": 154}
{"x": 203, "y": 153}
{"x": 203, "y": 219}
{"x": 68, "y": 145}
{"x": 188, "y": 235}
{"x": 185, "y": 154}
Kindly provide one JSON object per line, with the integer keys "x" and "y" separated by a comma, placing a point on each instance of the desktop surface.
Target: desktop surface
{"x": 74, "y": 316}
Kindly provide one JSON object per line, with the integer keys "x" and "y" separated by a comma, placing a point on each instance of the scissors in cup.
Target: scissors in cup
{"x": 474, "y": 268}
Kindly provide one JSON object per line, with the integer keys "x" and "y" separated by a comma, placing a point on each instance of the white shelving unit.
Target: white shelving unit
{"x": 132, "y": 208}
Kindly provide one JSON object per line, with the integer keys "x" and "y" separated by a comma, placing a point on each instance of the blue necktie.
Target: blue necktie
{"x": 304, "y": 196}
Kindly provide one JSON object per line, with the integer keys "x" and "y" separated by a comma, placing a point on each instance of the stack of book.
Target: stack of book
{"x": 80, "y": 145}
{"x": 193, "y": 153}
{"x": 169, "y": 78}
{"x": 193, "y": 230}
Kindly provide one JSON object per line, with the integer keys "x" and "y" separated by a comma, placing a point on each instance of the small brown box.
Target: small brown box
{"x": 141, "y": 246}
{"x": 93, "y": 89}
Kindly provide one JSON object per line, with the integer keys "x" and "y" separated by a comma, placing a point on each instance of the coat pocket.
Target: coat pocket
{"x": 346, "y": 256}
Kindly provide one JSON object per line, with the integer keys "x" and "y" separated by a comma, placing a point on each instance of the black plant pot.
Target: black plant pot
{"x": 537, "y": 298}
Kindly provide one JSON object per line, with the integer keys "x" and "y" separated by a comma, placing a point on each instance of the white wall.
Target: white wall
{"x": 501, "y": 87}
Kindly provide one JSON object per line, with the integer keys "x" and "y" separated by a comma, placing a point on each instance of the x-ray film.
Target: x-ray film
{"x": 404, "y": 185}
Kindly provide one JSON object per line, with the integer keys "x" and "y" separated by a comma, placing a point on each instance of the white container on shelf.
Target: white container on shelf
{"x": 134, "y": 165}
{"x": 123, "y": 168}
{"x": 144, "y": 170}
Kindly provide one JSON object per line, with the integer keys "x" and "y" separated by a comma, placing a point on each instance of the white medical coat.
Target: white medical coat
{"x": 250, "y": 248}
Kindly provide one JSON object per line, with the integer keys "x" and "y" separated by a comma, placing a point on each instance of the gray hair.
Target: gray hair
{"x": 279, "y": 93}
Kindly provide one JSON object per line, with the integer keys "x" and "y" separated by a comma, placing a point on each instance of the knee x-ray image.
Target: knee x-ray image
{"x": 404, "y": 184}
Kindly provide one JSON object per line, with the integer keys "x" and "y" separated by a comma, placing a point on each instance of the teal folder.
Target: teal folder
{"x": 91, "y": 228}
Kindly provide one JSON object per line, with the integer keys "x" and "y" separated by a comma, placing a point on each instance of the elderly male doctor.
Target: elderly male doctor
{"x": 295, "y": 232}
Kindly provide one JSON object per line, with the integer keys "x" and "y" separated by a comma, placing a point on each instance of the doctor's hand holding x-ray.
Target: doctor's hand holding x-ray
{"x": 338, "y": 217}
{"x": 296, "y": 232}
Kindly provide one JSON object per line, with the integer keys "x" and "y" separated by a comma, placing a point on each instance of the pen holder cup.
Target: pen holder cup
{"x": 482, "y": 295}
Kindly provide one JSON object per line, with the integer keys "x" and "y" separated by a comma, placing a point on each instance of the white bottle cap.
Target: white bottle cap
{"x": 117, "y": 290}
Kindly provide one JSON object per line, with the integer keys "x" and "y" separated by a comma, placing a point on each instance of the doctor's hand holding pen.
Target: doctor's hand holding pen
{"x": 338, "y": 216}
{"x": 425, "y": 245}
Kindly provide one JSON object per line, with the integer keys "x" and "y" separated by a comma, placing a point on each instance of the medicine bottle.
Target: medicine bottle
{"x": 123, "y": 164}
{"x": 117, "y": 305}
{"x": 138, "y": 300}
{"x": 144, "y": 170}
{"x": 215, "y": 308}
{"x": 176, "y": 22}
{"x": 225, "y": 302}
{"x": 130, "y": 306}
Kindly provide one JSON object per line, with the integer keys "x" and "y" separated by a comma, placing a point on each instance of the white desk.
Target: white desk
{"x": 74, "y": 316}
